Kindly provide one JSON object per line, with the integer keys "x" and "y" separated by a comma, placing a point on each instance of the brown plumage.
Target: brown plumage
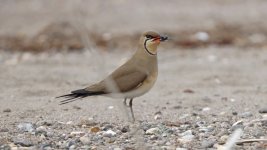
{"x": 132, "y": 79}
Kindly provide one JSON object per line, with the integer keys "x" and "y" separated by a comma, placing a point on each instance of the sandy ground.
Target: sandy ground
{"x": 221, "y": 82}
{"x": 213, "y": 73}
{"x": 201, "y": 96}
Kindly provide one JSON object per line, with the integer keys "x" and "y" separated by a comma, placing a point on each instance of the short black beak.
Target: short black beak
{"x": 163, "y": 38}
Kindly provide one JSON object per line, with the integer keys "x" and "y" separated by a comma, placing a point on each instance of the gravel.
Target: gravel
{"x": 166, "y": 118}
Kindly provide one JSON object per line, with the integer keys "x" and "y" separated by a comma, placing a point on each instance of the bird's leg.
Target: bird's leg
{"x": 125, "y": 102}
{"x": 131, "y": 107}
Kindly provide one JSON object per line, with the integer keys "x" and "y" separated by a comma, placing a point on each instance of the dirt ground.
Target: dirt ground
{"x": 205, "y": 90}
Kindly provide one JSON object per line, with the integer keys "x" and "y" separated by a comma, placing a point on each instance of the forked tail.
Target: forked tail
{"x": 78, "y": 94}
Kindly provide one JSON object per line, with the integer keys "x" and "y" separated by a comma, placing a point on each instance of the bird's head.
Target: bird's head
{"x": 150, "y": 40}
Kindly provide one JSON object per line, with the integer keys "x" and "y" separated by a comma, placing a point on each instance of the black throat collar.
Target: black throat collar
{"x": 147, "y": 48}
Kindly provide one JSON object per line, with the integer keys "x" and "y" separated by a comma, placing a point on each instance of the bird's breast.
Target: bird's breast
{"x": 144, "y": 87}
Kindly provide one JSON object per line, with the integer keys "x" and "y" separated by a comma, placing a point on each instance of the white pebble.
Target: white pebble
{"x": 206, "y": 109}
{"x": 186, "y": 136}
{"x": 232, "y": 100}
{"x": 77, "y": 133}
{"x": 157, "y": 117}
{"x": 202, "y": 36}
{"x": 26, "y": 127}
{"x": 109, "y": 133}
{"x": 85, "y": 140}
{"x": 110, "y": 107}
{"x": 69, "y": 122}
{"x": 152, "y": 131}
{"x": 178, "y": 148}
{"x": 41, "y": 129}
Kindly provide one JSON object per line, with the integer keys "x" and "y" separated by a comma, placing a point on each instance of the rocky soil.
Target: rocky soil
{"x": 210, "y": 94}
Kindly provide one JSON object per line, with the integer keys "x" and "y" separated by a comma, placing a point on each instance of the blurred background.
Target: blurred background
{"x": 212, "y": 72}
{"x": 29, "y": 25}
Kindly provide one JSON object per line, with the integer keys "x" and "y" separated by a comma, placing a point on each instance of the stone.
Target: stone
{"x": 223, "y": 139}
{"x": 188, "y": 91}
{"x": 7, "y": 110}
{"x": 87, "y": 122}
{"x": 153, "y": 137}
{"x": 77, "y": 133}
{"x": 23, "y": 142}
{"x": 41, "y": 129}
{"x": 208, "y": 143}
{"x": 95, "y": 129}
{"x": 26, "y": 127}
{"x": 263, "y": 110}
{"x": 109, "y": 133}
{"x": 157, "y": 117}
{"x": 206, "y": 109}
{"x": 4, "y": 130}
{"x": 206, "y": 129}
{"x": 152, "y": 131}
{"x": 246, "y": 114}
{"x": 186, "y": 136}
{"x": 72, "y": 147}
{"x": 125, "y": 129}
{"x": 85, "y": 140}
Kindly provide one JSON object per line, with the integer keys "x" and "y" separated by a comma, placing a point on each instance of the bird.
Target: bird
{"x": 132, "y": 79}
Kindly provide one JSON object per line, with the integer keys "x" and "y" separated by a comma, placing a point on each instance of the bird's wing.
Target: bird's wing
{"x": 125, "y": 79}
{"x": 130, "y": 80}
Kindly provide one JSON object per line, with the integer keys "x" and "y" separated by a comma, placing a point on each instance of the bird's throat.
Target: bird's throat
{"x": 150, "y": 49}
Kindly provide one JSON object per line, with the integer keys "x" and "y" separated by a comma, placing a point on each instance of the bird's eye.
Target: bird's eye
{"x": 149, "y": 36}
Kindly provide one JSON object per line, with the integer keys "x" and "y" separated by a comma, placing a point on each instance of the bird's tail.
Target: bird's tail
{"x": 78, "y": 94}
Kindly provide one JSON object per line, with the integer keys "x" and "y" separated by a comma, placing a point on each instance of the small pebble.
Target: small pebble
{"x": 234, "y": 113}
{"x": 153, "y": 137}
{"x": 109, "y": 133}
{"x": 208, "y": 143}
{"x": 110, "y": 107}
{"x": 4, "y": 130}
{"x": 7, "y": 110}
{"x": 157, "y": 117}
{"x": 77, "y": 133}
{"x": 245, "y": 115}
{"x": 263, "y": 110}
{"x": 41, "y": 129}
{"x": 232, "y": 100}
{"x": 177, "y": 107}
{"x": 201, "y": 36}
{"x": 188, "y": 91}
{"x": 186, "y": 136}
{"x": 23, "y": 142}
{"x": 223, "y": 139}
{"x": 85, "y": 140}
{"x": 152, "y": 131}
{"x": 206, "y": 109}
{"x": 87, "y": 122}
{"x": 206, "y": 129}
{"x": 26, "y": 127}
{"x": 77, "y": 107}
{"x": 95, "y": 129}
{"x": 72, "y": 147}
{"x": 125, "y": 129}
{"x": 69, "y": 122}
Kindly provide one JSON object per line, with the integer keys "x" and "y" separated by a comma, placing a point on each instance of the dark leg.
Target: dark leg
{"x": 131, "y": 107}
